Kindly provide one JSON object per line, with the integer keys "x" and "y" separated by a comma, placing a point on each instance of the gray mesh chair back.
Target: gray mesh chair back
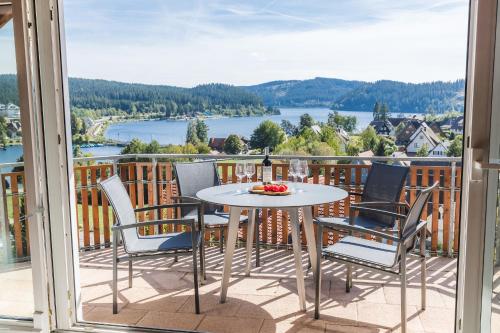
{"x": 413, "y": 218}
{"x": 120, "y": 201}
{"x": 194, "y": 177}
{"x": 384, "y": 183}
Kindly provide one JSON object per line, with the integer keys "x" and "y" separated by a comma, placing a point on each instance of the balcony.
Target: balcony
{"x": 267, "y": 301}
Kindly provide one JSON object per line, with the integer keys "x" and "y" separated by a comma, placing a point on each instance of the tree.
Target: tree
{"x": 385, "y": 147}
{"x": 306, "y": 121}
{"x": 456, "y": 147}
{"x": 376, "y": 111}
{"x": 289, "y": 128}
{"x": 384, "y": 114}
{"x": 336, "y": 120}
{"x": 369, "y": 138}
{"x": 135, "y": 146}
{"x": 153, "y": 148}
{"x": 191, "y": 134}
{"x": 233, "y": 145}
{"x": 423, "y": 151}
{"x": 267, "y": 134}
{"x": 201, "y": 130}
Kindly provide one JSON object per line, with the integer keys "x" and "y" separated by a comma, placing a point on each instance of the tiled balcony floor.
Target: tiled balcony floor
{"x": 162, "y": 296}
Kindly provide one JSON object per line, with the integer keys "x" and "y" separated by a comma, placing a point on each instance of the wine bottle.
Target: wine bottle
{"x": 267, "y": 170}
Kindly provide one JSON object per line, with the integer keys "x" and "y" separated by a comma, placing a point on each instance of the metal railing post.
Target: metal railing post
{"x": 155, "y": 193}
{"x": 451, "y": 230}
{"x": 4, "y": 225}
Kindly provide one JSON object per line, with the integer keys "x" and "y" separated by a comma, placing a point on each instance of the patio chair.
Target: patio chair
{"x": 139, "y": 247}
{"x": 383, "y": 256}
{"x": 382, "y": 190}
{"x": 196, "y": 176}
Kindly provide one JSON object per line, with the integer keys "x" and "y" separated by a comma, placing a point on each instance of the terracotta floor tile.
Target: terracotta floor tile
{"x": 413, "y": 296}
{"x": 295, "y": 325}
{"x": 387, "y": 316}
{"x": 159, "y": 319}
{"x": 339, "y": 313}
{"x": 216, "y": 324}
{"x": 104, "y": 314}
{"x": 210, "y": 305}
{"x": 438, "y": 320}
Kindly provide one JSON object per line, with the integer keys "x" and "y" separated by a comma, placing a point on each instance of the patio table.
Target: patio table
{"x": 238, "y": 198}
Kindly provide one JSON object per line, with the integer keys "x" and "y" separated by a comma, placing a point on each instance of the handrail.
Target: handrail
{"x": 251, "y": 157}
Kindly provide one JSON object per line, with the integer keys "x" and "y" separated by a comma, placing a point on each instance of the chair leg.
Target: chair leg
{"x": 115, "y": 273}
{"x": 257, "y": 240}
{"x": 317, "y": 274}
{"x": 402, "y": 272}
{"x": 423, "y": 270}
{"x": 348, "y": 279}
{"x": 195, "y": 277}
{"x": 202, "y": 258}
{"x": 130, "y": 273}
{"x": 221, "y": 239}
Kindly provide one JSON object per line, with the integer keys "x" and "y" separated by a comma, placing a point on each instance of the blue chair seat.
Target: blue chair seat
{"x": 359, "y": 249}
{"x": 161, "y": 243}
{"x": 359, "y": 221}
{"x": 215, "y": 220}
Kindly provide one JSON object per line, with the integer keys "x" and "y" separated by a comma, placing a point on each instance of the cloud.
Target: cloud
{"x": 410, "y": 41}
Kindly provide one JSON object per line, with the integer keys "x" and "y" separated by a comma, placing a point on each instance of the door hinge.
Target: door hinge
{"x": 51, "y": 14}
{"x": 59, "y": 139}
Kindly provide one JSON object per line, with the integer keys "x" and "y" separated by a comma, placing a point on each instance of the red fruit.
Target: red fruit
{"x": 282, "y": 188}
{"x": 275, "y": 188}
{"x": 266, "y": 188}
{"x": 286, "y": 187}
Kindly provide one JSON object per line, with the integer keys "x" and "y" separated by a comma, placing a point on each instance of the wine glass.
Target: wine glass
{"x": 293, "y": 169}
{"x": 303, "y": 170}
{"x": 250, "y": 171}
{"x": 240, "y": 172}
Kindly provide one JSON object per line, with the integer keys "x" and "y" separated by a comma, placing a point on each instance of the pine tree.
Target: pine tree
{"x": 376, "y": 111}
{"x": 191, "y": 135}
{"x": 201, "y": 130}
{"x": 384, "y": 113}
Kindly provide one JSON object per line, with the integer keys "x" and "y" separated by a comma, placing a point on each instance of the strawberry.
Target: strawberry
{"x": 266, "y": 188}
{"x": 275, "y": 188}
{"x": 282, "y": 188}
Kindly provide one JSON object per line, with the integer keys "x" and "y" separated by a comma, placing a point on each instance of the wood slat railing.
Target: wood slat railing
{"x": 150, "y": 183}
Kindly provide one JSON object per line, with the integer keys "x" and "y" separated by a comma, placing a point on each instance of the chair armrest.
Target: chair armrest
{"x": 185, "y": 198}
{"x": 355, "y": 228}
{"x": 152, "y": 223}
{"x": 421, "y": 225}
{"x": 174, "y": 205}
{"x": 374, "y": 210}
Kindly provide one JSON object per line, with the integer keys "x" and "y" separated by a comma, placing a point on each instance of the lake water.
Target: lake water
{"x": 174, "y": 131}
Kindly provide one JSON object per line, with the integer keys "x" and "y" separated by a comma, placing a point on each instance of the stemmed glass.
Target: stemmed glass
{"x": 240, "y": 172}
{"x": 293, "y": 169}
{"x": 303, "y": 170}
{"x": 250, "y": 171}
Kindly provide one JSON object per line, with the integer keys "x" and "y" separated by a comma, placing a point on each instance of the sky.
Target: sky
{"x": 189, "y": 42}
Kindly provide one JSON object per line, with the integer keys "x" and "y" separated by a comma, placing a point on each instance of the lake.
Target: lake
{"x": 174, "y": 131}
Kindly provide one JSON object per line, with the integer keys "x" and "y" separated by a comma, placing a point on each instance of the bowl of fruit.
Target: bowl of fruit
{"x": 271, "y": 189}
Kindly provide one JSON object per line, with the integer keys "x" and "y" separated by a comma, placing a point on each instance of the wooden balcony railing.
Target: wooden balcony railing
{"x": 152, "y": 182}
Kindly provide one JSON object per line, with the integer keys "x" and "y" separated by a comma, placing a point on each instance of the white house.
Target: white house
{"x": 440, "y": 150}
{"x": 424, "y": 135}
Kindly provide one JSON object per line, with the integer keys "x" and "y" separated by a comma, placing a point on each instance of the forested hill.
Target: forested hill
{"x": 172, "y": 101}
{"x": 296, "y": 93}
{"x": 229, "y": 100}
{"x": 361, "y": 96}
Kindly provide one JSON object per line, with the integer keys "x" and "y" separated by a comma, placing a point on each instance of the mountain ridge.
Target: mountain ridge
{"x": 218, "y": 98}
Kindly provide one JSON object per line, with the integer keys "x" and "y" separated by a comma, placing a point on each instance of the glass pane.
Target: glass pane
{"x": 495, "y": 301}
{"x": 16, "y": 297}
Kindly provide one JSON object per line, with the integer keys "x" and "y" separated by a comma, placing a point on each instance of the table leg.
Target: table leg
{"x": 297, "y": 253}
{"x": 311, "y": 240}
{"x": 250, "y": 234}
{"x": 232, "y": 234}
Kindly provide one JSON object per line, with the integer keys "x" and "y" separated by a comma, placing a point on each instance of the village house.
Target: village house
{"x": 217, "y": 144}
{"x": 440, "y": 150}
{"x": 383, "y": 127}
{"x": 423, "y": 136}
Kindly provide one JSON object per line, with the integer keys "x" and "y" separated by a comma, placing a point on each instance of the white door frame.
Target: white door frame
{"x": 479, "y": 94}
